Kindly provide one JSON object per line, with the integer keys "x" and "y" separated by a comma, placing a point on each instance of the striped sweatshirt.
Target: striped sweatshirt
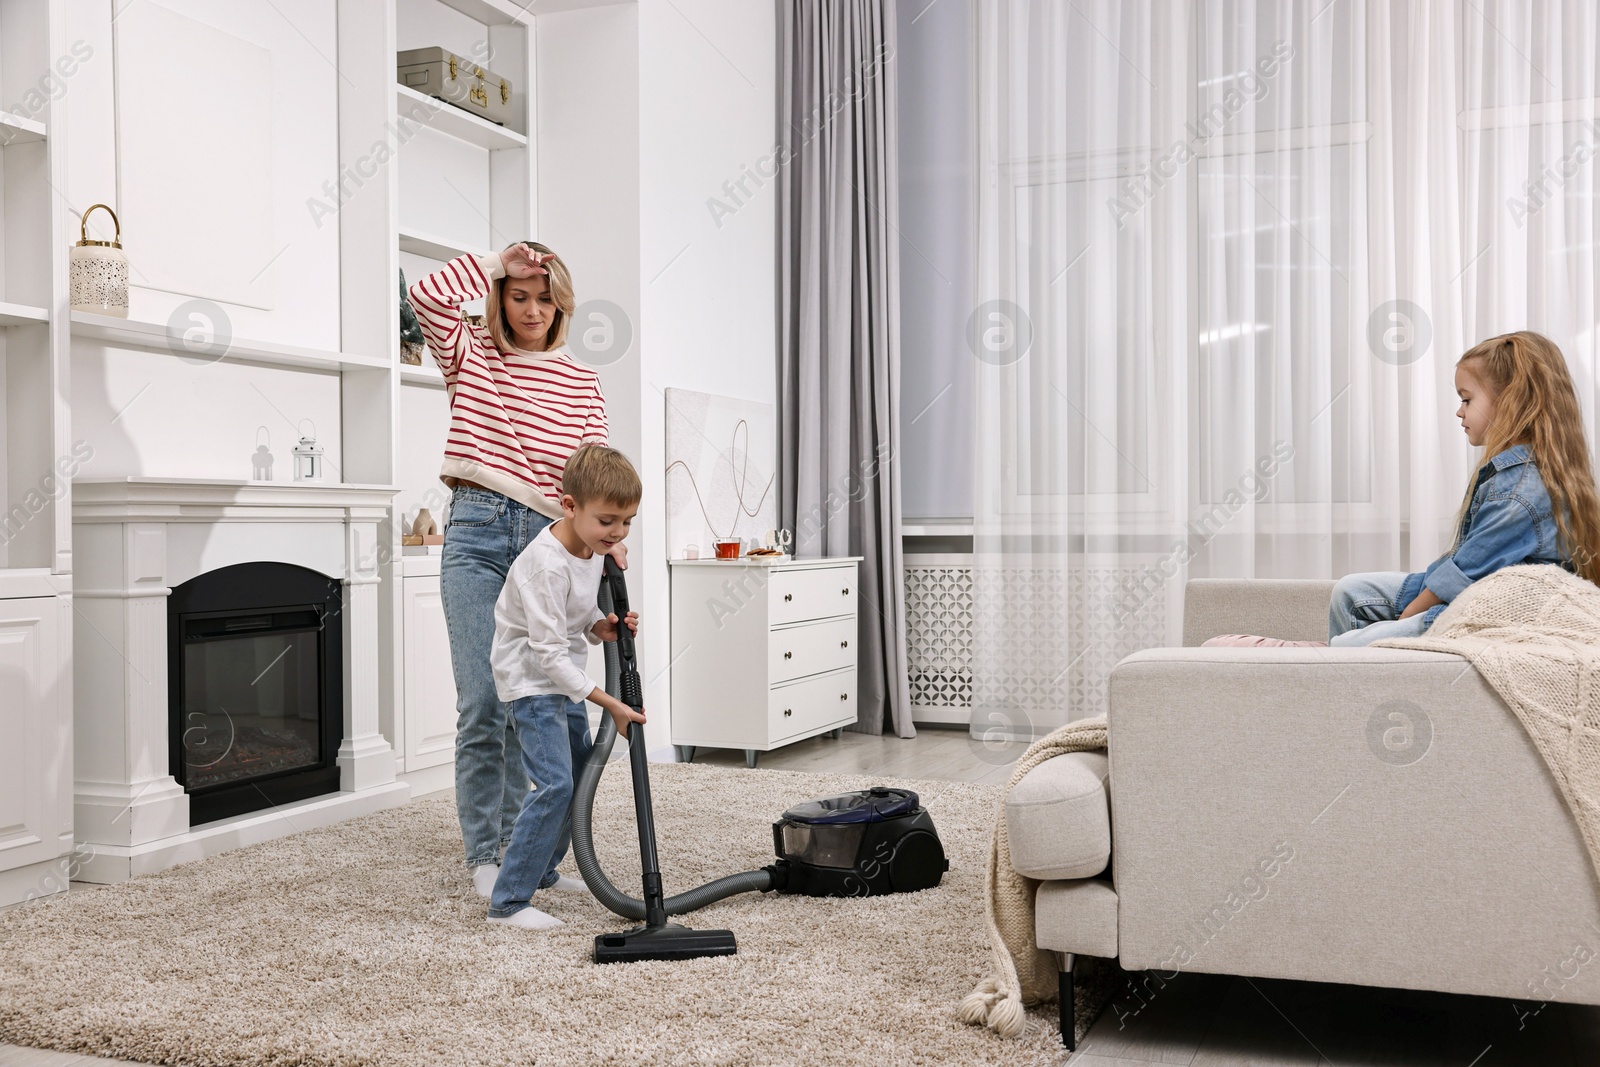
{"x": 515, "y": 416}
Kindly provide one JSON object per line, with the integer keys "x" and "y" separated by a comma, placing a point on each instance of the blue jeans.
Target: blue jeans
{"x": 1363, "y": 610}
{"x": 485, "y": 534}
{"x": 554, "y": 733}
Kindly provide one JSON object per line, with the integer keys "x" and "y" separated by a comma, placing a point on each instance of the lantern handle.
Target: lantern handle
{"x": 83, "y": 228}
{"x": 303, "y": 434}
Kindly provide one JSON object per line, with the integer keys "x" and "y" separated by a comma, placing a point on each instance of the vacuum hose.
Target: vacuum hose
{"x": 622, "y": 682}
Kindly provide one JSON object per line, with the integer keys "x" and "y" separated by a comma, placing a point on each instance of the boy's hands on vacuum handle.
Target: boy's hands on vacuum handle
{"x": 606, "y": 628}
{"x": 621, "y": 714}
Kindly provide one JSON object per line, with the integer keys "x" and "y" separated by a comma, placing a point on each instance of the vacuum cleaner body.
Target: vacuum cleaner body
{"x": 862, "y": 844}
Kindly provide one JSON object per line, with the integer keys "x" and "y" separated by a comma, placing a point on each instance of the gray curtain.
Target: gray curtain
{"x": 839, "y": 320}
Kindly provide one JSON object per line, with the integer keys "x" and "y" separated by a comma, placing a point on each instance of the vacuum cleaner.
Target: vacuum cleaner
{"x": 866, "y": 843}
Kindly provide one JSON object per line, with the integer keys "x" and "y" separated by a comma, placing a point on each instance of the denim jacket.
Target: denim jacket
{"x": 1508, "y": 522}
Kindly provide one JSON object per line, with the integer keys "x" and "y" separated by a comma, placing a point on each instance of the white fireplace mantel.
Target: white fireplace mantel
{"x": 136, "y": 538}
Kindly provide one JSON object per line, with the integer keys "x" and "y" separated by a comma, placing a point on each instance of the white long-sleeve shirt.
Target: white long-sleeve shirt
{"x": 543, "y": 621}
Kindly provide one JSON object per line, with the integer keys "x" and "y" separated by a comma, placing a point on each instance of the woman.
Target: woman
{"x": 519, "y": 406}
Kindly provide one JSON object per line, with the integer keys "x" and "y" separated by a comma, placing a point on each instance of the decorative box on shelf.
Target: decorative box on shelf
{"x": 763, "y": 653}
{"x": 456, "y": 80}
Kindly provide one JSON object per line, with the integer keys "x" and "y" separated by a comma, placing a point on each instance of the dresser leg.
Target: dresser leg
{"x": 750, "y": 757}
{"x": 685, "y": 753}
{"x": 836, "y": 732}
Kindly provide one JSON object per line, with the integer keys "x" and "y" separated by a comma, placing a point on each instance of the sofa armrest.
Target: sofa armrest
{"x": 1364, "y": 815}
{"x": 1294, "y": 609}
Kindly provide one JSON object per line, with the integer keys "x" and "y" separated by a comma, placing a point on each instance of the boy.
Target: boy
{"x": 545, "y": 619}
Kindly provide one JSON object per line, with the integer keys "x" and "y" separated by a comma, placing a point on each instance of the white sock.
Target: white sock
{"x": 483, "y": 879}
{"x": 529, "y": 918}
{"x": 565, "y": 883}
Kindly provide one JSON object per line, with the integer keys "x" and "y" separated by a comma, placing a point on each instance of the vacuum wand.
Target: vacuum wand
{"x": 633, "y": 696}
{"x": 657, "y": 939}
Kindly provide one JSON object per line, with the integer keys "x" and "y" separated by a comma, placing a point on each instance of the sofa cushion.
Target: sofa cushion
{"x": 1079, "y": 917}
{"x": 1058, "y": 818}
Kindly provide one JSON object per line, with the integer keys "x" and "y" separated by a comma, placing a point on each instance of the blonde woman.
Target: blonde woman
{"x": 1531, "y": 500}
{"x": 519, "y": 406}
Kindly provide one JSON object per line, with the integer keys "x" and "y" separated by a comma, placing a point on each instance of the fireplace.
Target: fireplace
{"x": 254, "y": 686}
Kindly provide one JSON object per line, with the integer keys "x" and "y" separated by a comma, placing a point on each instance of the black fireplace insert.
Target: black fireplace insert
{"x": 255, "y": 683}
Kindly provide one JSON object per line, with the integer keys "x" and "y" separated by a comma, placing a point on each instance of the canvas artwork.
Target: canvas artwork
{"x": 721, "y": 470}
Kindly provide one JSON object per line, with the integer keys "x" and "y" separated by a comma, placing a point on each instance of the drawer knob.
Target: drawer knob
{"x": 845, "y": 591}
{"x": 787, "y": 712}
{"x": 788, "y": 596}
{"x": 844, "y": 644}
{"x": 788, "y": 655}
{"x": 844, "y": 696}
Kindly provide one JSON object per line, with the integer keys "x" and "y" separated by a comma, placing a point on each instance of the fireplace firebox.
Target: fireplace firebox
{"x": 255, "y": 686}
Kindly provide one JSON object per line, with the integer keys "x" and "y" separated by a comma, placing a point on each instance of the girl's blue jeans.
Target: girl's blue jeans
{"x": 485, "y": 534}
{"x": 554, "y": 732}
{"x": 1363, "y": 610}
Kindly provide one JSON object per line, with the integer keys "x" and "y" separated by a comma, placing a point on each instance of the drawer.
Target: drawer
{"x": 812, "y": 648}
{"x": 796, "y": 596}
{"x": 812, "y": 704}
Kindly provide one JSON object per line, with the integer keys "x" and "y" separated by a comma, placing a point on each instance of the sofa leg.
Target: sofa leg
{"x": 1065, "y": 1000}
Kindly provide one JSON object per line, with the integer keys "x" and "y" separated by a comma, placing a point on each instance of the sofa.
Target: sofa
{"x": 1368, "y": 816}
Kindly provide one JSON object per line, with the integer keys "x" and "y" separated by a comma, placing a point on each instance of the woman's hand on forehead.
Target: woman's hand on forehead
{"x": 523, "y": 262}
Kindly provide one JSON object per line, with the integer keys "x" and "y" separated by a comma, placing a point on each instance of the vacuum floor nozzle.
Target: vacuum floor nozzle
{"x": 668, "y": 942}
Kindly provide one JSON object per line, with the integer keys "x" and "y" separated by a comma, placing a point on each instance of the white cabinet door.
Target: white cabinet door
{"x": 430, "y": 685}
{"x": 35, "y": 733}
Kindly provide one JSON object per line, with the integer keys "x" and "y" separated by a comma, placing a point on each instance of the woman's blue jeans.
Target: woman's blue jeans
{"x": 1363, "y": 610}
{"x": 485, "y": 534}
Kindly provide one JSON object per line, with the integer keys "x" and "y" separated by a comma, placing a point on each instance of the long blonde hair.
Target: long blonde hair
{"x": 1536, "y": 405}
{"x": 494, "y": 311}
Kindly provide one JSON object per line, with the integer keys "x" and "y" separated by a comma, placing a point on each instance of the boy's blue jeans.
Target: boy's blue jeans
{"x": 554, "y": 735}
{"x": 485, "y": 534}
{"x": 1363, "y": 610}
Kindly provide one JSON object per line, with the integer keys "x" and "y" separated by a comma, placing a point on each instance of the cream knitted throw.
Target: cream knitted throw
{"x": 1533, "y": 632}
{"x": 1019, "y": 970}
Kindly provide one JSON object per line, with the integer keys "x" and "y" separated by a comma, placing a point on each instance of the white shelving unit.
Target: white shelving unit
{"x": 459, "y": 124}
{"x": 22, "y": 315}
{"x": 36, "y": 464}
{"x": 156, "y": 337}
{"x": 15, "y": 129}
{"x": 423, "y": 375}
{"x": 457, "y": 184}
{"x": 431, "y": 246}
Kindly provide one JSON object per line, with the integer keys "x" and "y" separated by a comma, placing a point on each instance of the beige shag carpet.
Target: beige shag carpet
{"x": 363, "y": 944}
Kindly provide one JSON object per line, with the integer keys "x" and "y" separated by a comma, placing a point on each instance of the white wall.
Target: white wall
{"x": 645, "y": 110}
{"x": 588, "y": 210}
{"x": 189, "y": 420}
{"x": 708, "y": 293}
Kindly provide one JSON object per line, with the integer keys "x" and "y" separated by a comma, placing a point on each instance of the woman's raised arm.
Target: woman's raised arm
{"x": 438, "y": 299}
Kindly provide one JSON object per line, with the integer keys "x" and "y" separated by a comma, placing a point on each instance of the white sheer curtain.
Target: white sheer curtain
{"x": 1228, "y": 253}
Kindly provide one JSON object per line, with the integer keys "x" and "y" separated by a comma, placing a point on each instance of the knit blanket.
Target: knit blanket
{"x": 1019, "y": 970}
{"x": 1533, "y": 633}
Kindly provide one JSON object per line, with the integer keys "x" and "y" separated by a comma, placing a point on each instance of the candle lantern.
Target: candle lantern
{"x": 308, "y": 458}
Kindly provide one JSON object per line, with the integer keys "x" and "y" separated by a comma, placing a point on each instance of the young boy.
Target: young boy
{"x": 545, "y": 619}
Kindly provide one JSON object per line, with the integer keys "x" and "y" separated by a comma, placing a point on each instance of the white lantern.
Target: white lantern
{"x": 308, "y": 459}
{"x": 99, "y": 270}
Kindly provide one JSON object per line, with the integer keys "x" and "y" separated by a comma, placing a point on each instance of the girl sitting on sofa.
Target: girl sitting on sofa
{"x": 1531, "y": 500}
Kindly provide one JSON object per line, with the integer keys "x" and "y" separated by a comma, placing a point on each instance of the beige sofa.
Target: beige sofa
{"x": 1368, "y": 816}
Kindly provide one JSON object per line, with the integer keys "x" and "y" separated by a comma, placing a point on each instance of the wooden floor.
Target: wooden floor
{"x": 1201, "y": 1020}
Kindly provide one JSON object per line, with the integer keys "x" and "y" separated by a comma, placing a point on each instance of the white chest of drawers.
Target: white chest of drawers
{"x": 763, "y": 654}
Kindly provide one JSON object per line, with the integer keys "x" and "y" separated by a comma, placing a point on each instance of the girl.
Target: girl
{"x": 1532, "y": 499}
{"x": 519, "y": 406}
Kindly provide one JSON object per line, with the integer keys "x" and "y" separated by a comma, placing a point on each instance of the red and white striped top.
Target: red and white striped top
{"x": 515, "y": 416}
